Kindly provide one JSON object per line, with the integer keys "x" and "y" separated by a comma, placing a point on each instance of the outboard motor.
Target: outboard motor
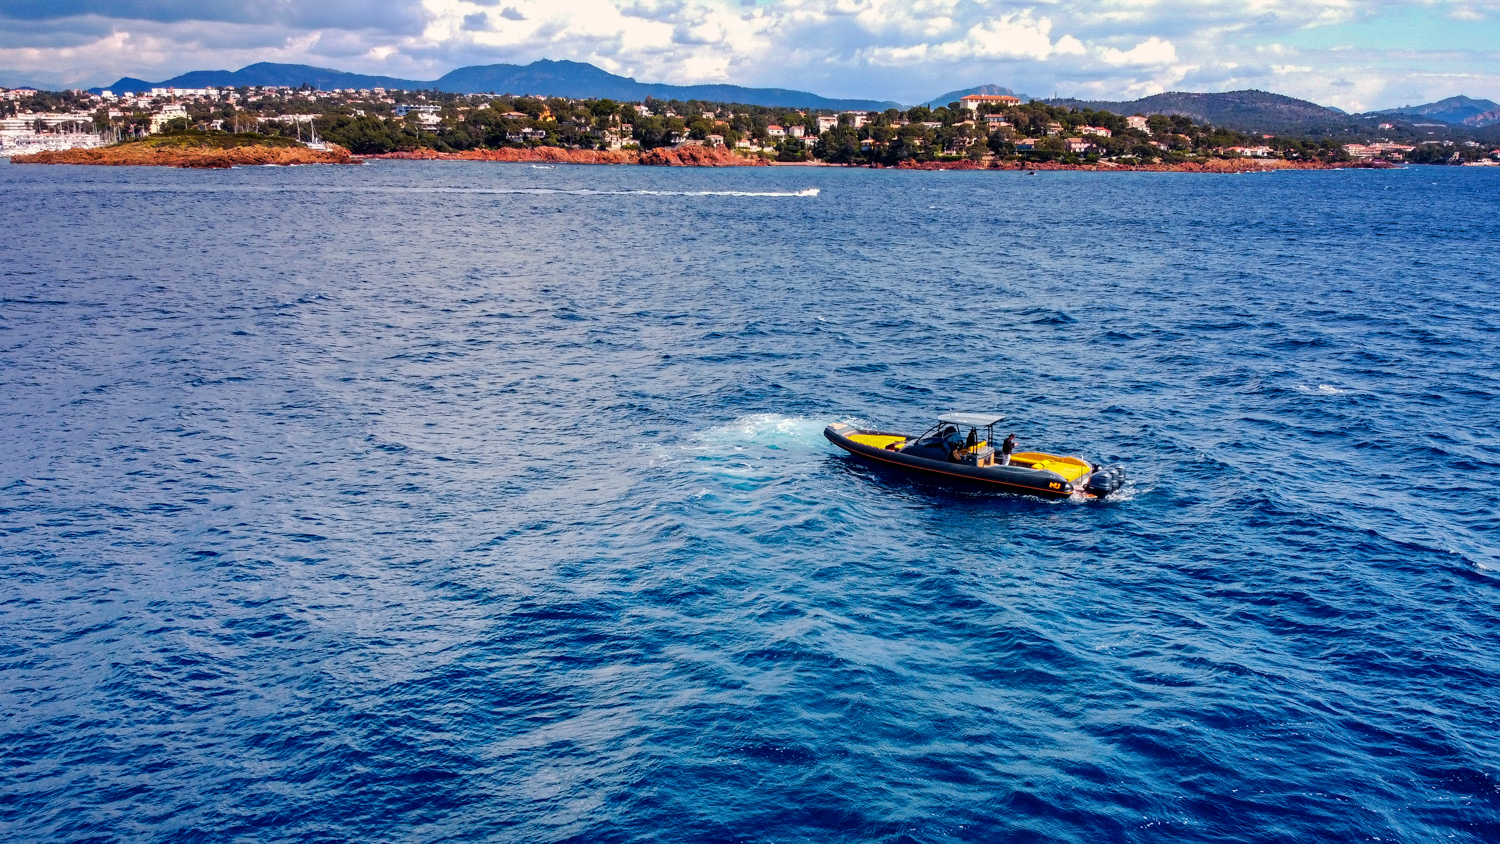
{"x": 1105, "y": 481}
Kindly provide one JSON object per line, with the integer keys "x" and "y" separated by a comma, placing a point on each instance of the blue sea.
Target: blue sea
{"x": 451, "y": 502}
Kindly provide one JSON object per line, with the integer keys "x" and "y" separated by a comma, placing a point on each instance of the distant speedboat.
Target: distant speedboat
{"x": 944, "y": 453}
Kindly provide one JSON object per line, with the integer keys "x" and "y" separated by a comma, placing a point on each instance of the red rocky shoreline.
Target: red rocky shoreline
{"x": 689, "y": 156}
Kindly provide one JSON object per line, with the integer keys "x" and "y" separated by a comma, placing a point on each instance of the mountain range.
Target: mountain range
{"x": 1246, "y": 111}
{"x": 545, "y": 77}
{"x": 1463, "y": 111}
{"x": 1259, "y": 111}
{"x": 988, "y": 90}
{"x": 1249, "y": 111}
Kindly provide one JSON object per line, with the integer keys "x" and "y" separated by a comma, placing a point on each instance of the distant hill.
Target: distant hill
{"x": 991, "y": 90}
{"x": 579, "y": 79}
{"x": 1245, "y": 111}
{"x": 544, "y": 77}
{"x": 1455, "y": 111}
{"x": 127, "y": 83}
{"x": 31, "y": 79}
{"x": 1488, "y": 118}
{"x": 270, "y": 73}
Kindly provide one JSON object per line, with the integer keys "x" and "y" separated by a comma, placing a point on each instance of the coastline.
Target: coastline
{"x": 193, "y": 158}
{"x": 1212, "y": 165}
{"x": 136, "y": 154}
{"x": 697, "y": 156}
{"x": 692, "y": 156}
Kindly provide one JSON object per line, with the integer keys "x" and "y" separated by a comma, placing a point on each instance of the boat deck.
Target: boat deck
{"x": 1071, "y": 468}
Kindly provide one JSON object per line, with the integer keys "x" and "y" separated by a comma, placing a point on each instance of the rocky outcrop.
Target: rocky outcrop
{"x": 686, "y": 156}
{"x": 144, "y": 155}
{"x": 1211, "y": 165}
{"x": 536, "y": 155}
{"x": 697, "y": 156}
{"x": 940, "y": 165}
{"x": 1488, "y": 118}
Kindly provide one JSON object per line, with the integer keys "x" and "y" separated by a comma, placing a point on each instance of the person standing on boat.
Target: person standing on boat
{"x": 1006, "y": 448}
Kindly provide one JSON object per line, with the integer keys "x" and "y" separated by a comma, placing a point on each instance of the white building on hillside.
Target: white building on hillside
{"x": 973, "y": 101}
{"x": 29, "y": 121}
{"x": 167, "y": 113}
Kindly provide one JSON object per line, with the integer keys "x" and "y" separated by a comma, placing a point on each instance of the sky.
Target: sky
{"x": 1357, "y": 55}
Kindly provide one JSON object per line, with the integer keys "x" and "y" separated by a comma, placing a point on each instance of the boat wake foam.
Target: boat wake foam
{"x": 804, "y": 192}
{"x": 767, "y": 430}
{"x": 1129, "y": 492}
{"x": 751, "y": 449}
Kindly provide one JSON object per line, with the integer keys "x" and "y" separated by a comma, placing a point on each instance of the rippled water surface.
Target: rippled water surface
{"x": 423, "y": 502}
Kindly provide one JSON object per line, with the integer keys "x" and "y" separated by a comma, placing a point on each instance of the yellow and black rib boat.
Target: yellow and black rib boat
{"x": 945, "y": 454}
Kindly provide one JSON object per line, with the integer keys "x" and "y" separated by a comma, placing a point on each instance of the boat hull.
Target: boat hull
{"x": 1011, "y": 479}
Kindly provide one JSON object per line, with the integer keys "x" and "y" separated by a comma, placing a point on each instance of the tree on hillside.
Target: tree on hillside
{"x": 839, "y": 145}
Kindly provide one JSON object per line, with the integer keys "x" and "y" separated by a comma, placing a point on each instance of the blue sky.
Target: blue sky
{"x": 1354, "y": 54}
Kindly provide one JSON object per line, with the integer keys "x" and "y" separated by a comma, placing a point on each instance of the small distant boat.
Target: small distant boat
{"x": 312, "y": 141}
{"x": 945, "y": 454}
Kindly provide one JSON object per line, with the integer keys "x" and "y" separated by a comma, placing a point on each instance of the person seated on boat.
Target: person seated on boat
{"x": 1006, "y": 448}
{"x": 953, "y": 444}
{"x": 960, "y": 447}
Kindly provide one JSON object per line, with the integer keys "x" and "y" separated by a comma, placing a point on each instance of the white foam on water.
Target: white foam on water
{"x": 766, "y": 430}
{"x": 1320, "y": 390}
{"x": 757, "y": 447}
{"x": 746, "y": 448}
{"x": 804, "y": 192}
{"x": 1129, "y": 492}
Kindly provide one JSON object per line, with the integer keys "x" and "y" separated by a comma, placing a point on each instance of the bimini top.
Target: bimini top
{"x": 971, "y": 420}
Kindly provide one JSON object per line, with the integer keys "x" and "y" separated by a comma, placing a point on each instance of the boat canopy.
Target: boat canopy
{"x": 970, "y": 420}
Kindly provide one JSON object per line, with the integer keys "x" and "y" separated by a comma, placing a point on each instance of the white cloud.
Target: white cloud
{"x": 908, "y": 50}
{"x": 1014, "y": 36}
{"x": 1069, "y": 46}
{"x": 1152, "y": 51}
